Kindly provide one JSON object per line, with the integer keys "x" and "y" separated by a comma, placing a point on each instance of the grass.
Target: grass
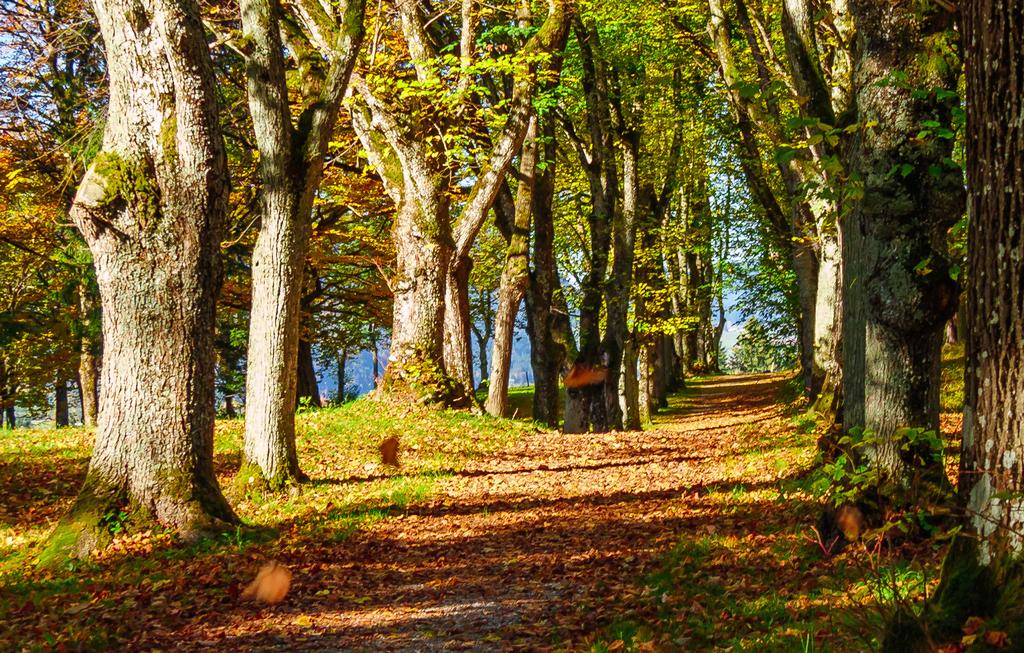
{"x": 40, "y": 472}
{"x": 754, "y": 578}
{"x": 520, "y": 402}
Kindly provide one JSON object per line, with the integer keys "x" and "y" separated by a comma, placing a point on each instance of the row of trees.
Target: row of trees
{"x": 238, "y": 170}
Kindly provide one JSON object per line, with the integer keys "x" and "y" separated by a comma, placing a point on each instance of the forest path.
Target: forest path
{"x": 528, "y": 549}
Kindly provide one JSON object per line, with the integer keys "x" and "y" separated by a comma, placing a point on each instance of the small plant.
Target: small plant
{"x": 115, "y": 521}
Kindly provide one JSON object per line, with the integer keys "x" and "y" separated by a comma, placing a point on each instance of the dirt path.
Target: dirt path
{"x": 535, "y": 547}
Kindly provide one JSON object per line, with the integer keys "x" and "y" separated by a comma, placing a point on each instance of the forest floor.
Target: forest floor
{"x": 693, "y": 535}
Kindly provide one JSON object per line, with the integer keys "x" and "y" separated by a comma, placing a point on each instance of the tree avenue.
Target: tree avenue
{"x": 424, "y": 212}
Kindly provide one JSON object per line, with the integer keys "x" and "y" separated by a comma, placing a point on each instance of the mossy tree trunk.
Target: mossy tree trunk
{"x": 983, "y": 571}
{"x": 514, "y": 278}
{"x": 905, "y": 79}
{"x": 151, "y": 207}
{"x": 291, "y": 167}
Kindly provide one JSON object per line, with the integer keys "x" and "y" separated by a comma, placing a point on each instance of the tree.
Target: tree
{"x": 514, "y": 277}
{"x": 291, "y": 167}
{"x": 757, "y": 350}
{"x": 151, "y": 207}
{"x": 898, "y": 290}
{"x": 419, "y": 152}
{"x": 981, "y": 575}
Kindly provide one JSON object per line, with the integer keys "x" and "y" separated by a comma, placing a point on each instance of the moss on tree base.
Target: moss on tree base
{"x": 990, "y": 596}
{"x": 103, "y": 510}
{"x": 250, "y": 478}
{"x": 424, "y": 381}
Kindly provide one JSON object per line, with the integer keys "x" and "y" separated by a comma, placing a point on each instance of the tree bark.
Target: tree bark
{"x": 458, "y": 350}
{"x": 618, "y": 289}
{"x": 910, "y": 199}
{"x": 515, "y": 277}
{"x": 629, "y": 385}
{"x": 547, "y": 319}
{"x": 88, "y": 355}
{"x": 306, "y": 385}
{"x": 291, "y": 168}
{"x": 603, "y": 179}
{"x": 151, "y": 207}
{"x": 60, "y": 403}
{"x": 980, "y": 577}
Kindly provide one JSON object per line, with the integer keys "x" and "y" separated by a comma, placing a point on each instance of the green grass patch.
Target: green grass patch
{"x": 89, "y": 604}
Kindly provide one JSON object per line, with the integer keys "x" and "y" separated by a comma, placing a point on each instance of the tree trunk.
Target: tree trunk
{"x": 482, "y": 340}
{"x": 828, "y": 316}
{"x": 602, "y": 178}
{"x": 458, "y": 349}
{"x": 151, "y": 207}
{"x": 342, "y": 360}
{"x": 422, "y": 237}
{"x": 621, "y": 282}
{"x": 649, "y": 369}
{"x": 547, "y": 320}
{"x": 981, "y": 575}
{"x": 88, "y": 358}
{"x": 515, "y": 277}
{"x": 629, "y": 386}
{"x": 375, "y": 361}
{"x": 911, "y": 197}
{"x": 6, "y": 395}
{"x": 60, "y": 403}
{"x": 229, "y": 407}
{"x": 856, "y": 259}
{"x": 307, "y": 389}
{"x": 291, "y": 167}
{"x": 805, "y": 267}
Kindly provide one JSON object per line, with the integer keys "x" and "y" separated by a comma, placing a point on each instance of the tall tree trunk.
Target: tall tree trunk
{"x": 910, "y": 199}
{"x": 88, "y": 354}
{"x": 151, "y": 207}
{"x": 602, "y": 176}
{"x": 981, "y": 575}
{"x": 291, "y": 167}
{"x": 515, "y": 277}
{"x": 60, "y": 403}
{"x": 649, "y": 369}
{"x": 417, "y": 171}
{"x": 306, "y": 386}
{"x": 547, "y": 319}
{"x": 6, "y": 395}
{"x": 856, "y": 260}
{"x": 828, "y": 324}
{"x": 620, "y": 284}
